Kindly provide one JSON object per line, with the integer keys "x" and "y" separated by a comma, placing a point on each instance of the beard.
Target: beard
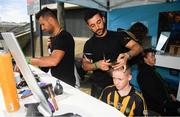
{"x": 50, "y": 32}
{"x": 100, "y": 32}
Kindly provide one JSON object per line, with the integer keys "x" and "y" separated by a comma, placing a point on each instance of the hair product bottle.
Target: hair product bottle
{"x": 8, "y": 93}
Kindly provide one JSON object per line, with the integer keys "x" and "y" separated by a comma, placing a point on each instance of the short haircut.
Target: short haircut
{"x": 148, "y": 50}
{"x": 128, "y": 70}
{"x": 90, "y": 13}
{"x": 45, "y": 12}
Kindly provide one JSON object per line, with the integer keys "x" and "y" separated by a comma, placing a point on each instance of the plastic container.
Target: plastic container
{"x": 9, "y": 98}
{"x": 58, "y": 89}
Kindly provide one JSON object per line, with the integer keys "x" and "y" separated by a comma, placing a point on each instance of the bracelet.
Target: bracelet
{"x": 96, "y": 66}
{"x": 28, "y": 60}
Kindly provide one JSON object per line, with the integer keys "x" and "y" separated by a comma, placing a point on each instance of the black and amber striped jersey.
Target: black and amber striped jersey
{"x": 131, "y": 105}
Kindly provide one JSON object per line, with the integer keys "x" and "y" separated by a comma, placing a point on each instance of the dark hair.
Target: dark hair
{"x": 45, "y": 12}
{"x": 89, "y": 13}
{"x": 148, "y": 50}
{"x": 139, "y": 30}
{"x": 120, "y": 29}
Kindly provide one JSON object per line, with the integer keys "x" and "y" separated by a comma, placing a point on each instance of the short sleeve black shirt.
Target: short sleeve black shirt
{"x": 65, "y": 69}
{"x": 108, "y": 47}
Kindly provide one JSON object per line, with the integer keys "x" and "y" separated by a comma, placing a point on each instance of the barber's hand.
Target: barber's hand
{"x": 103, "y": 64}
{"x": 121, "y": 61}
{"x": 33, "y": 61}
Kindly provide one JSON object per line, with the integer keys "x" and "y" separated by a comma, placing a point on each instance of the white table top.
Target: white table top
{"x": 72, "y": 100}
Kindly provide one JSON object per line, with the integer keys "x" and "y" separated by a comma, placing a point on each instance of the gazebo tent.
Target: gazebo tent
{"x": 108, "y": 5}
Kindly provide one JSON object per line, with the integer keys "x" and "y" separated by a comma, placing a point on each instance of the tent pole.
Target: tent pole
{"x": 40, "y": 35}
{"x": 32, "y": 38}
{"x": 60, "y": 14}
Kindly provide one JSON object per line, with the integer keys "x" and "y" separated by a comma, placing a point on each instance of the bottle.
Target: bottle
{"x": 58, "y": 89}
{"x": 8, "y": 93}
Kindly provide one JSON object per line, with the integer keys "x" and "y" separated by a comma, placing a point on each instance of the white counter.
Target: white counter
{"x": 72, "y": 100}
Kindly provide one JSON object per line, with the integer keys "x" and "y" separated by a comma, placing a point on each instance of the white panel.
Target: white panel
{"x": 18, "y": 56}
{"x": 162, "y": 40}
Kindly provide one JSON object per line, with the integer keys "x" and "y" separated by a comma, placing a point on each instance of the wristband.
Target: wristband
{"x": 129, "y": 55}
{"x": 28, "y": 60}
{"x": 95, "y": 64}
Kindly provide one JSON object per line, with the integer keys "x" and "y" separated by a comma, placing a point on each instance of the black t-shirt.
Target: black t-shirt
{"x": 65, "y": 69}
{"x": 107, "y": 47}
{"x": 152, "y": 87}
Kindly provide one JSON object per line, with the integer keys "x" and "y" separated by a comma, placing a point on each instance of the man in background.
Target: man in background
{"x": 61, "y": 59}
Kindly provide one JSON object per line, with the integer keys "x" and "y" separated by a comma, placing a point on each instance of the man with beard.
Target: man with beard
{"x": 61, "y": 59}
{"x": 103, "y": 48}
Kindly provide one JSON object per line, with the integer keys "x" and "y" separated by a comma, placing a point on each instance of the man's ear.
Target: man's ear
{"x": 145, "y": 59}
{"x": 104, "y": 20}
{"x": 129, "y": 77}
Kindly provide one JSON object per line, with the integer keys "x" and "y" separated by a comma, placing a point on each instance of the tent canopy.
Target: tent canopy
{"x": 108, "y": 5}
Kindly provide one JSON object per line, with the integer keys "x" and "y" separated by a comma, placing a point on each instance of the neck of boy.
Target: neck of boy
{"x": 125, "y": 91}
